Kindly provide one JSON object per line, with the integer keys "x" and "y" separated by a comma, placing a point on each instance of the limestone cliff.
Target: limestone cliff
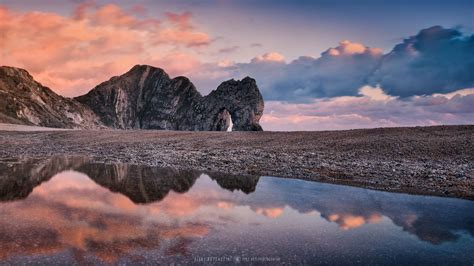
{"x": 25, "y": 101}
{"x": 146, "y": 97}
{"x": 143, "y": 98}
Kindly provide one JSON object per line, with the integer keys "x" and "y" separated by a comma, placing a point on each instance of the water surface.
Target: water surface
{"x": 70, "y": 210}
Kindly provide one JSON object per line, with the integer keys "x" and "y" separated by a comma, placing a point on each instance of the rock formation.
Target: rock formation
{"x": 240, "y": 101}
{"x": 20, "y": 176}
{"x": 244, "y": 183}
{"x": 146, "y": 97}
{"x": 143, "y": 98}
{"x": 25, "y": 101}
{"x": 141, "y": 184}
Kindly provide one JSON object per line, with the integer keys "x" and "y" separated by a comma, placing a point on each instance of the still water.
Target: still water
{"x": 70, "y": 210}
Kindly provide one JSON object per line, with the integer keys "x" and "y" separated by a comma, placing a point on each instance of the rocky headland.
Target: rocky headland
{"x": 424, "y": 160}
{"x": 25, "y": 101}
{"x": 143, "y": 98}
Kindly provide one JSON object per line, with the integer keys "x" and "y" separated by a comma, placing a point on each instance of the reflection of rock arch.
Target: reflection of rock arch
{"x": 19, "y": 177}
{"x": 146, "y": 97}
{"x": 141, "y": 184}
{"x": 246, "y": 184}
{"x": 342, "y": 205}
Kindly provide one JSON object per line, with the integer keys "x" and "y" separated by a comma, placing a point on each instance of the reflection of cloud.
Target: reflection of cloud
{"x": 225, "y": 205}
{"x": 196, "y": 230}
{"x": 70, "y": 211}
{"x": 269, "y": 212}
{"x": 180, "y": 205}
{"x": 425, "y": 229}
{"x": 348, "y": 221}
{"x": 353, "y": 207}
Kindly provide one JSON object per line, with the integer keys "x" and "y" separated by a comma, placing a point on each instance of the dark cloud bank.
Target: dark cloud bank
{"x": 436, "y": 60}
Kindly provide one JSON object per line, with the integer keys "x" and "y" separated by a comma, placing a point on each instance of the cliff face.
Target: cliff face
{"x": 25, "y": 101}
{"x": 143, "y": 98}
{"x": 141, "y": 184}
{"x": 19, "y": 177}
{"x": 240, "y": 101}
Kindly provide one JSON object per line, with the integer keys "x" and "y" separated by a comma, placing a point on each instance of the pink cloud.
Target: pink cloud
{"x": 182, "y": 20}
{"x": 270, "y": 212}
{"x": 189, "y": 38}
{"x": 349, "y": 221}
{"x": 71, "y": 54}
{"x": 372, "y": 108}
{"x": 350, "y": 48}
{"x": 269, "y": 57}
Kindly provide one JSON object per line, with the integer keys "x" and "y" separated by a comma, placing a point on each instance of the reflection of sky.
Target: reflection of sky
{"x": 73, "y": 217}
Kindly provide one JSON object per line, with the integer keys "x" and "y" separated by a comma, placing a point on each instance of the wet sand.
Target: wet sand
{"x": 422, "y": 160}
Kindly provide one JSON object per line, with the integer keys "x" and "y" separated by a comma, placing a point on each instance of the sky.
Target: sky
{"x": 319, "y": 64}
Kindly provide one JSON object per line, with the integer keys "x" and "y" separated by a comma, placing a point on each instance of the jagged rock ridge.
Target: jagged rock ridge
{"x": 146, "y": 97}
{"x": 25, "y": 101}
{"x": 140, "y": 183}
{"x": 143, "y": 98}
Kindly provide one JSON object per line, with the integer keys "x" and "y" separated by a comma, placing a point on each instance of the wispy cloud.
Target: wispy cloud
{"x": 230, "y": 49}
{"x": 371, "y": 108}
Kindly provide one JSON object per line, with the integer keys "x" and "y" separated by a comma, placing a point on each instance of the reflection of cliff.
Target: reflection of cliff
{"x": 19, "y": 177}
{"x": 139, "y": 183}
{"x": 72, "y": 213}
{"x": 431, "y": 219}
{"x": 246, "y": 184}
{"x": 89, "y": 220}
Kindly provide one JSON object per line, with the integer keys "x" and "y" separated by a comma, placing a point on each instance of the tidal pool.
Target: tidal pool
{"x": 69, "y": 210}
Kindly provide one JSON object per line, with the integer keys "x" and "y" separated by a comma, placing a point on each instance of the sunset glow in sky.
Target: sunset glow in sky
{"x": 320, "y": 64}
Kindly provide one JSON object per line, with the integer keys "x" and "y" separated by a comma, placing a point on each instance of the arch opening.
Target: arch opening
{"x": 222, "y": 120}
{"x": 231, "y": 124}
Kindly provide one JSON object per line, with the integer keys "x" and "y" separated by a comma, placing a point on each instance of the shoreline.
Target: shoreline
{"x": 434, "y": 160}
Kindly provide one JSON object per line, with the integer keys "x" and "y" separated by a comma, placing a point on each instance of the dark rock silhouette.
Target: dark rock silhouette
{"x": 19, "y": 177}
{"x": 240, "y": 101}
{"x": 144, "y": 184}
{"x": 141, "y": 184}
{"x": 246, "y": 184}
{"x": 146, "y": 97}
